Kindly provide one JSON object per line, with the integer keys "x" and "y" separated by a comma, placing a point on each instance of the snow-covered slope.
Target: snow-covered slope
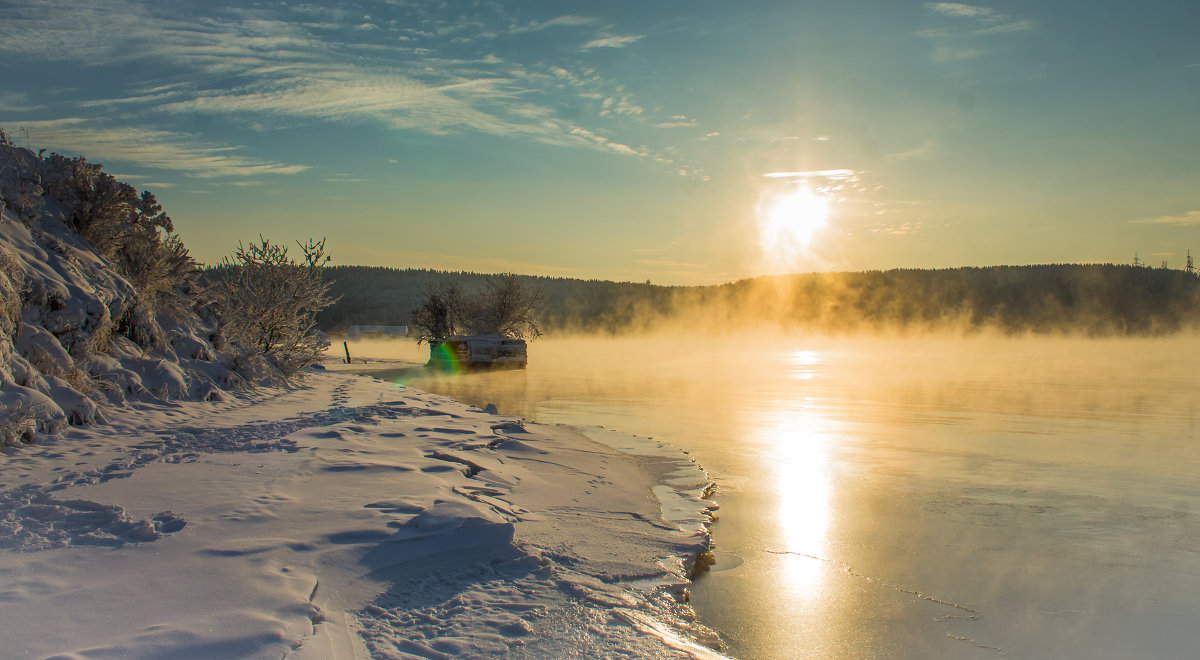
{"x": 65, "y": 314}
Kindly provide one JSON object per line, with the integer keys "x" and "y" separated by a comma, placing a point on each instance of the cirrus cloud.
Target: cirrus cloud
{"x": 151, "y": 148}
{"x": 1187, "y": 219}
{"x": 612, "y": 41}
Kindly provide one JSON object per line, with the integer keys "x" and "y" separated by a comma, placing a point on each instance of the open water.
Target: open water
{"x": 913, "y": 498}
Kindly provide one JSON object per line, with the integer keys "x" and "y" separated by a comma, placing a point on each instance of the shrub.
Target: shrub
{"x": 268, "y": 304}
{"x": 161, "y": 272}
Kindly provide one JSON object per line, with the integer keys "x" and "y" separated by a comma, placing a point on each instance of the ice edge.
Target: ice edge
{"x": 684, "y": 492}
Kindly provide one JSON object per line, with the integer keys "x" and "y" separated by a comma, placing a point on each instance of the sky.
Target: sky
{"x": 680, "y": 143}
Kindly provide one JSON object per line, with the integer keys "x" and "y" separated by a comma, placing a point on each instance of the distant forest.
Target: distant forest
{"x": 1096, "y": 300}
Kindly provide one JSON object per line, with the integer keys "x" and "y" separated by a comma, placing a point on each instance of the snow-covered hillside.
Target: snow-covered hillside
{"x": 101, "y": 306}
{"x": 76, "y": 337}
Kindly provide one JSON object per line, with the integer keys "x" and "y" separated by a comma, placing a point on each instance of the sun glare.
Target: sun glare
{"x": 789, "y": 221}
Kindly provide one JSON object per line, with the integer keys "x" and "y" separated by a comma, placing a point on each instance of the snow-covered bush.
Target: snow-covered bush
{"x": 162, "y": 272}
{"x": 20, "y": 180}
{"x": 12, "y": 280}
{"x": 268, "y": 303}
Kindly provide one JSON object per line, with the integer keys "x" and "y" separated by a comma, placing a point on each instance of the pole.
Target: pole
{"x": 347, "y": 347}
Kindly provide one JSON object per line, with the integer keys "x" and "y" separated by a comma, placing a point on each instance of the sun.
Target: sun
{"x": 789, "y": 221}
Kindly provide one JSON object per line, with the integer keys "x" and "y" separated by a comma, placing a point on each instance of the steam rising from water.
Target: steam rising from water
{"x": 1095, "y": 300}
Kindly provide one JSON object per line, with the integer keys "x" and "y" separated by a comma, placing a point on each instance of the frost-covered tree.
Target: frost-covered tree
{"x": 440, "y": 313}
{"x": 507, "y": 306}
{"x": 268, "y": 304}
{"x": 109, "y": 213}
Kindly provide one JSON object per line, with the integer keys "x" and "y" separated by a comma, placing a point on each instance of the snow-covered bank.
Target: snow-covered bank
{"x": 342, "y": 519}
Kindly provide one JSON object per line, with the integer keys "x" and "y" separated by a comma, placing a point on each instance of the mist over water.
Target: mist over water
{"x": 911, "y": 497}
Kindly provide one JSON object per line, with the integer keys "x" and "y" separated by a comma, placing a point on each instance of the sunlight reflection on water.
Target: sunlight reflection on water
{"x": 867, "y": 487}
{"x": 801, "y": 474}
{"x": 804, "y": 364}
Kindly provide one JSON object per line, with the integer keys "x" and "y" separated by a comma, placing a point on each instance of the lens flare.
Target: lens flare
{"x": 443, "y": 356}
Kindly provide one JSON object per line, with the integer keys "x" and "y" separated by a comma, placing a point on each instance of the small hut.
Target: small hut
{"x": 461, "y": 352}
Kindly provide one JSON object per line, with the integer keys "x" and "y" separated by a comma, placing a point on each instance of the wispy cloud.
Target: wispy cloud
{"x": 946, "y": 53}
{"x": 340, "y": 93}
{"x": 11, "y": 101}
{"x": 668, "y": 263}
{"x": 150, "y": 148}
{"x": 923, "y": 151}
{"x": 1188, "y": 219}
{"x": 1005, "y": 24}
{"x": 568, "y": 21}
{"x": 961, "y": 26}
{"x": 837, "y": 175}
{"x": 678, "y": 121}
{"x": 622, "y": 105}
{"x": 829, "y": 182}
{"x": 612, "y": 41}
{"x": 94, "y": 30}
{"x": 603, "y": 142}
{"x": 959, "y": 9}
{"x": 296, "y": 65}
{"x": 901, "y": 229}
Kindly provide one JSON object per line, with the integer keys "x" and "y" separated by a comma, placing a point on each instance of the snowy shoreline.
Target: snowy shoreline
{"x": 346, "y": 518}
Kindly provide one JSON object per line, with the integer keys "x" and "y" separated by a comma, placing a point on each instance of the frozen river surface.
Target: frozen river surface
{"x": 964, "y": 498}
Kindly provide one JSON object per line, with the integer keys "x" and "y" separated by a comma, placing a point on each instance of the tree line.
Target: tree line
{"x": 1090, "y": 299}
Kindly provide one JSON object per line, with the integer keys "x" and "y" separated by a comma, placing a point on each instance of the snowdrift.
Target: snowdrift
{"x": 347, "y": 518}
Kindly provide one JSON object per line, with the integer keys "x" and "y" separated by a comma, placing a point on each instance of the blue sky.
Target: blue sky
{"x": 632, "y": 140}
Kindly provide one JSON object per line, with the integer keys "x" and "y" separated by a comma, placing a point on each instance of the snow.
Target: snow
{"x": 346, "y": 518}
{"x": 61, "y": 362}
{"x": 153, "y": 504}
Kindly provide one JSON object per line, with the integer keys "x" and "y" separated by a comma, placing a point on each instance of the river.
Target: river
{"x": 912, "y": 497}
